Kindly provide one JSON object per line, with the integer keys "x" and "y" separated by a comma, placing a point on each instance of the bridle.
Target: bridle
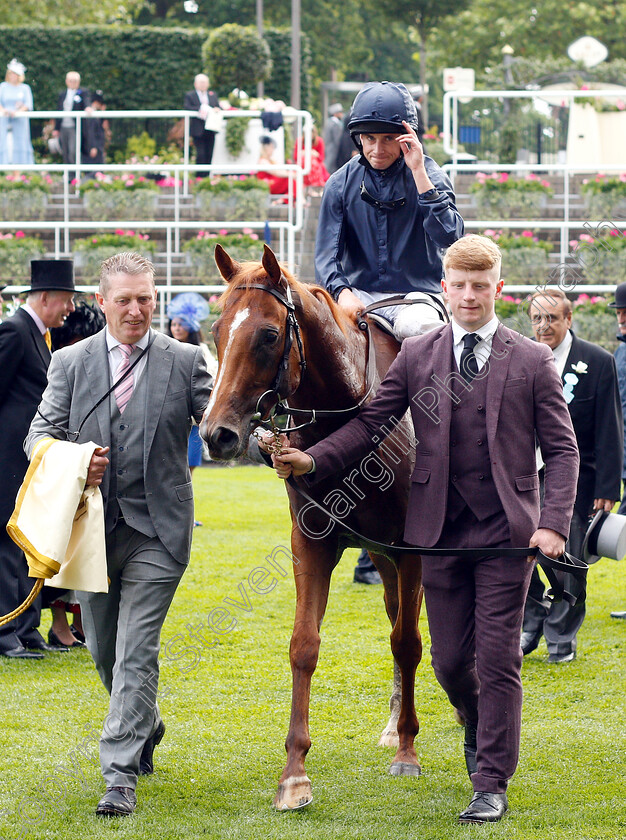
{"x": 280, "y": 386}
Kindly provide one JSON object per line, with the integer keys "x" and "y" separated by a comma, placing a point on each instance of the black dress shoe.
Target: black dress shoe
{"x": 469, "y": 748}
{"x": 54, "y": 640}
{"x": 366, "y": 577}
{"x": 485, "y": 807}
{"x": 21, "y": 653}
{"x": 36, "y": 644}
{"x": 561, "y": 658}
{"x": 146, "y": 766}
{"x": 529, "y": 642}
{"x": 117, "y": 802}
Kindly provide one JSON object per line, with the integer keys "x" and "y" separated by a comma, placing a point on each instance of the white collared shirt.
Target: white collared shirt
{"x": 482, "y": 350}
{"x": 115, "y": 355}
{"x": 561, "y": 352}
{"x": 40, "y": 324}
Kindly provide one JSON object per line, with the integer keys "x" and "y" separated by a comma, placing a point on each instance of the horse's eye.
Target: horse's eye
{"x": 270, "y": 337}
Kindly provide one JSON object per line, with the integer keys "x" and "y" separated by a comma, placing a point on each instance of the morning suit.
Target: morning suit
{"x": 474, "y": 484}
{"x": 204, "y": 140}
{"x": 148, "y": 507}
{"x": 67, "y": 133}
{"x": 592, "y": 393}
{"x": 24, "y": 360}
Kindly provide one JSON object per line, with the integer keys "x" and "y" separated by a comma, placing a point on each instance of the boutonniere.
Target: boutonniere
{"x": 77, "y": 97}
{"x": 580, "y": 367}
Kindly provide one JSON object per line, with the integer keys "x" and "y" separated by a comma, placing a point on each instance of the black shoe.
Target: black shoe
{"x": 560, "y": 658}
{"x": 619, "y": 614}
{"x": 117, "y": 802}
{"x": 80, "y": 637}
{"x": 146, "y": 766}
{"x": 21, "y": 653}
{"x": 469, "y": 748}
{"x": 39, "y": 644}
{"x": 529, "y": 642}
{"x": 54, "y": 640}
{"x": 366, "y": 577}
{"x": 485, "y": 807}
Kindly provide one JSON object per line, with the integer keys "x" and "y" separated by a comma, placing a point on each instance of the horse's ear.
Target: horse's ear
{"x": 226, "y": 265}
{"x": 270, "y": 264}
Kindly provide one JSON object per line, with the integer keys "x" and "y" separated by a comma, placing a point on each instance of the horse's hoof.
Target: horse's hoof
{"x": 294, "y": 793}
{"x": 389, "y": 738}
{"x": 403, "y": 768}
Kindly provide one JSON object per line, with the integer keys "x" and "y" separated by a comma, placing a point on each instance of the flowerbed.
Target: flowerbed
{"x": 603, "y": 257}
{"x": 499, "y": 196}
{"x": 120, "y": 197}
{"x": 23, "y": 196}
{"x": 200, "y": 252}
{"x": 16, "y": 252}
{"x": 90, "y": 253}
{"x": 605, "y": 197}
{"x": 524, "y": 256}
{"x": 231, "y": 199}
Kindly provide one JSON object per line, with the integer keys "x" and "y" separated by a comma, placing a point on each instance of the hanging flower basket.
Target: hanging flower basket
{"x": 232, "y": 200}
{"x": 199, "y": 253}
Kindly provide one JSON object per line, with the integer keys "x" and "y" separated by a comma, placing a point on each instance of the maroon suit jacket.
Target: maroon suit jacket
{"x": 524, "y": 398}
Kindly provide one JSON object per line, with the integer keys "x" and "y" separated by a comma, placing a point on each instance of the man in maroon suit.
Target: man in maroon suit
{"x": 478, "y": 393}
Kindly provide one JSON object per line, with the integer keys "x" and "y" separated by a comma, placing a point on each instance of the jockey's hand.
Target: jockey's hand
{"x": 350, "y": 303}
{"x": 98, "y": 464}
{"x": 291, "y": 462}
{"x": 412, "y": 149}
{"x": 266, "y": 440}
{"x": 550, "y": 542}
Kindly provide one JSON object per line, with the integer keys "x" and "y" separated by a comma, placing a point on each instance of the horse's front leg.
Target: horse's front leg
{"x": 312, "y": 571}
{"x": 406, "y": 645}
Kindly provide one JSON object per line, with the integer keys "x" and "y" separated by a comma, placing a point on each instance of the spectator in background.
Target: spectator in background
{"x": 619, "y": 305}
{"x": 591, "y": 392}
{"x": 186, "y": 313}
{"x": 278, "y": 179}
{"x": 332, "y": 136}
{"x": 202, "y": 100}
{"x": 97, "y": 132}
{"x": 73, "y": 98}
{"x": 346, "y": 148}
{"x": 418, "y": 97}
{"x": 318, "y": 175}
{"x": 16, "y": 99}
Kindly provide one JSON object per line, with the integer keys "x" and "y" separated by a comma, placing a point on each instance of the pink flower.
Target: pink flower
{"x": 527, "y": 233}
{"x": 545, "y": 183}
{"x": 254, "y": 236}
{"x": 622, "y": 176}
{"x": 620, "y": 104}
{"x": 118, "y": 232}
{"x": 19, "y": 234}
{"x": 94, "y": 240}
{"x": 585, "y": 87}
{"x": 213, "y": 298}
{"x": 223, "y": 232}
{"x": 503, "y": 177}
{"x": 247, "y": 231}
{"x": 574, "y": 243}
{"x": 586, "y": 237}
{"x": 490, "y": 232}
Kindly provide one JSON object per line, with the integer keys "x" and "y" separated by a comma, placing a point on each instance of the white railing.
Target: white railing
{"x": 181, "y": 173}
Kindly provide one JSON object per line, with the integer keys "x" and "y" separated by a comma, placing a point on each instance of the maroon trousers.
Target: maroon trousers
{"x": 475, "y": 609}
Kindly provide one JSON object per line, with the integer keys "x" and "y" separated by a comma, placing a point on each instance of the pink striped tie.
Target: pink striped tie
{"x": 124, "y": 390}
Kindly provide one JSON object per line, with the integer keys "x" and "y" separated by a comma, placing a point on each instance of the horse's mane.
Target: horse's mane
{"x": 253, "y": 272}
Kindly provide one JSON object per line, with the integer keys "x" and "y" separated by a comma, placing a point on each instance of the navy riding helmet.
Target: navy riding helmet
{"x": 379, "y": 108}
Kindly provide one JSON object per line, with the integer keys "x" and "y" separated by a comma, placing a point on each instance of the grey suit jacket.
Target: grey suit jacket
{"x": 178, "y": 389}
{"x": 524, "y": 398}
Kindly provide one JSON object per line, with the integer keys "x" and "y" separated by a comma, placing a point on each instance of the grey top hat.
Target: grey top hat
{"x": 51, "y": 276}
{"x": 605, "y": 537}
{"x": 620, "y": 297}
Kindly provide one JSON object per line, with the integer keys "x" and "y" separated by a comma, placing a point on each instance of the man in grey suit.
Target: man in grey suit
{"x": 143, "y": 426}
{"x": 478, "y": 393}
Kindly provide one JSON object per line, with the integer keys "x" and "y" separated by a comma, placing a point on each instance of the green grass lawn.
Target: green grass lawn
{"x": 226, "y": 708}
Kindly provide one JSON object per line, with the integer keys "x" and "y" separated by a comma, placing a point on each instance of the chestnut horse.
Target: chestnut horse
{"x": 278, "y": 339}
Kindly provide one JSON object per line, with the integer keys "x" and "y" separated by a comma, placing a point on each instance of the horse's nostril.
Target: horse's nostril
{"x": 223, "y": 442}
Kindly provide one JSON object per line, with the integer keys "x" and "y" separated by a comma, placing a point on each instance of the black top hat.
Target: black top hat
{"x": 51, "y": 276}
{"x": 620, "y": 297}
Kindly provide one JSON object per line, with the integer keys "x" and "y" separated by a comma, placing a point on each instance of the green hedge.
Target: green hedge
{"x": 278, "y": 85}
{"x": 136, "y": 67}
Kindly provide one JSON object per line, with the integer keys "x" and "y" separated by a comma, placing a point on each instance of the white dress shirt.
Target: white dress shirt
{"x": 115, "y": 355}
{"x": 482, "y": 350}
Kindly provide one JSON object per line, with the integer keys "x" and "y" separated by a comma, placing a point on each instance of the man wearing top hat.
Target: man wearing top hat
{"x": 24, "y": 360}
{"x": 590, "y": 388}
